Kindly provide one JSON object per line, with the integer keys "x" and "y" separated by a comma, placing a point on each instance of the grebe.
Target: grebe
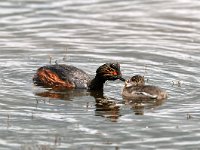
{"x": 135, "y": 88}
{"x": 60, "y": 76}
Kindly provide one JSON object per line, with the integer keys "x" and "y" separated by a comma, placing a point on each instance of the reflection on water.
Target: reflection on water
{"x": 105, "y": 106}
{"x": 63, "y": 95}
{"x": 139, "y": 106}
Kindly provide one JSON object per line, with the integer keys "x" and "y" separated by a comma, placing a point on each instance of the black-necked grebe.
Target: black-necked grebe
{"x": 135, "y": 88}
{"x": 62, "y": 76}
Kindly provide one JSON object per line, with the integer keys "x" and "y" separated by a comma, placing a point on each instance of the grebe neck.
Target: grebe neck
{"x": 96, "y": 83}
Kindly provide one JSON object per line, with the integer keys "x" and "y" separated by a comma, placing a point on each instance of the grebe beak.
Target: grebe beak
{"x": 122, "y": 79}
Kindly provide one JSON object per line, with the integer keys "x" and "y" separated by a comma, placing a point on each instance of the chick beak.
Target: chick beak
{"x": 128, "y": 84}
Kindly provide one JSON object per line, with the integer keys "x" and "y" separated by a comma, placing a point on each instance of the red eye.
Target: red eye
{"x": 115, "y": 73}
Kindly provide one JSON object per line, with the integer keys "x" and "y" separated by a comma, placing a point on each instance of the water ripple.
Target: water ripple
{"x": 158, "y": 39}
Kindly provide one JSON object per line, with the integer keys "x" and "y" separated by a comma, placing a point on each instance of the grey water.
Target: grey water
{"x": 159, "y": 39}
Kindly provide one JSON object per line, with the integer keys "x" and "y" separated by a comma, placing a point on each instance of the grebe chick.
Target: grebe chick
{"x": 60, "y": 76}
{"x": 135, "y": 88}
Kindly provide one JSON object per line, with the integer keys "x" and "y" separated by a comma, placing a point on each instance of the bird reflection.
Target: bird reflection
{"x": 139, "y": 106}
{"x": 105, "y": 107}
{"x": 63, "y": 95}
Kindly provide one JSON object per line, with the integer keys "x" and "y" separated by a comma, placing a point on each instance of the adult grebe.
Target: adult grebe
{"x": 135, "y": 88}
{"x": 60, "y": 76}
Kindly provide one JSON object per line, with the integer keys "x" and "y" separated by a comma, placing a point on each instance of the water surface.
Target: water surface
{"x": 158, "y": 39}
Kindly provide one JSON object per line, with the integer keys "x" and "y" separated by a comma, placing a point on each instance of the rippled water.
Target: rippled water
{"x": 159, "y": 39}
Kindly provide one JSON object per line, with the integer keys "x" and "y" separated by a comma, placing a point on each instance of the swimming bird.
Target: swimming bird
{"x": 61, "y": 76}
{"x": 135, "y": 88}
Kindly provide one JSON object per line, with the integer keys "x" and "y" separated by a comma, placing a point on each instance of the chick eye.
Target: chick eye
{"x": 133, "y": 79}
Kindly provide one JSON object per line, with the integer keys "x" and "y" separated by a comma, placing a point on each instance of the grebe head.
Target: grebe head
{"x": 136, "y": 80}
{"x": 110, "y": 71}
